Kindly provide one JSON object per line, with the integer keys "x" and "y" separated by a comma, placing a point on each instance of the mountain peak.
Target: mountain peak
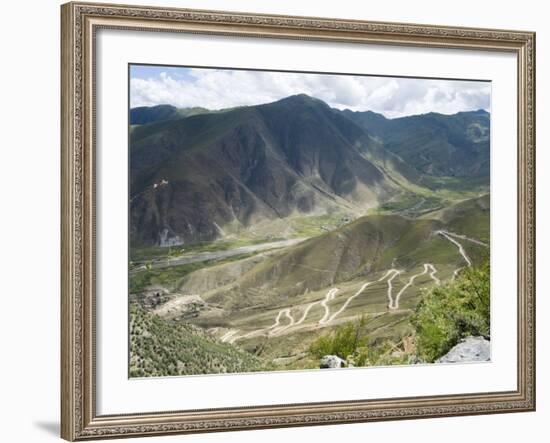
{"x": 301, "y": 99}
{"x": 301, "y": 96}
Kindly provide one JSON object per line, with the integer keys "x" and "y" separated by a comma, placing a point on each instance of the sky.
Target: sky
{"x": 225, "y": 88}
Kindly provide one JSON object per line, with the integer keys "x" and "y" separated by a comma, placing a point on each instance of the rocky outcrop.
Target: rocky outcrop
{"x": 470, "y": 349}
{"x": 332, "y": 361}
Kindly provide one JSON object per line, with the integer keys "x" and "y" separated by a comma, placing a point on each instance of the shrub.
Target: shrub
{"x": 344, "y": 341}
{"x": 453, "y": 311}
{"x": 162, "y": 348}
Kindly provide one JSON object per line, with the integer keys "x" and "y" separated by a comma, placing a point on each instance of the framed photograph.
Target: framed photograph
{"x": 277, "y": 221}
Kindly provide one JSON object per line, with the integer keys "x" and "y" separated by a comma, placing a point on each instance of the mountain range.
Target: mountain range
{"x": 197, "y": 175}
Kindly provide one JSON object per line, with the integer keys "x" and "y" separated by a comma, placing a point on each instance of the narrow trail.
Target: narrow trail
{"x": 458, "y": 245}
{"x": 280, "y": 329}
{"x": 432, "y": 274}
{"x": 449, "y": 236}
{"x": 390, "y": 286}
{"x": 350, "y": 299}
{"x": 306, "y": 312}
{"x": 227, "y": 336}
{"x": 330, "y": 296}
{"x": 277, "y": 329}
{"x": 395, "y": 304}
{"x": 464, "y": 237}
{"x": 230, "y": 336}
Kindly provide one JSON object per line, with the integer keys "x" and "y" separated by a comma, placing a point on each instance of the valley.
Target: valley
{"x": 274, "y": 315}
{"x": 273, "y": 225}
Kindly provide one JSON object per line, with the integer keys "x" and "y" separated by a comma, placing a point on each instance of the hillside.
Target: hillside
{"x": 435, "y": 144}
{"x": 150, "y": 114}
{"x": 367, "y": 246}
{"x": 273, "y": 304}
{"x": 159, "y": 348}
{"x": 354, "y": 250}
{"x": 196, "y": 178}
{"x": 258, "y": 231}
{"x": 469, "y": 217}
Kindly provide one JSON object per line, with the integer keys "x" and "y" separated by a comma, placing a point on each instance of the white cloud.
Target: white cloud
{"x": 393, "y": 97}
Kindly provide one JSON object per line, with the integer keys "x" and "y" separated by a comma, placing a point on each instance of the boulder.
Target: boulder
{"x": 332, "y": 361}
{"x": 470, "y": 349}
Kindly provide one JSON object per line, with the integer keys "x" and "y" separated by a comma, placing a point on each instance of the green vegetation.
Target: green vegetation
{"x": 160, "y": 348}
{"x": 455, "y": 184}
{"x": 469, "y": 217}
{"x": 453, "y": 311}
{"x": 150, "y": 114}
{"x": 410, "y": 204}
{"x": 346, "y": 341}
{"x": 352, "y": 343}
{"x": 142, "y": 254}
{"x": 310, "y": 226}
{"x": 370, "y": 197}
{"x": 169, "y": 277}
{"x": 348, "y": 256}
{"x": 434, "y": 144}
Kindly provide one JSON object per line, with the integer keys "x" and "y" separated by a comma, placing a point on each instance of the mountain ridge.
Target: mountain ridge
{"x": 197, "y": 176}
{"x": 249, "y": 164}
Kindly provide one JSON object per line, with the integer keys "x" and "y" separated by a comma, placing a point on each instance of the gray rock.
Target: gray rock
{"x": 332, "y": 361}
{"x": 470, "y": 349}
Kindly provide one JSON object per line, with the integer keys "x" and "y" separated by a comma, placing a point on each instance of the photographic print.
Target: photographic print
{"x": 306, "y": 221}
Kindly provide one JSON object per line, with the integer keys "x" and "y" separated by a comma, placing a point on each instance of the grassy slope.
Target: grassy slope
{"x": 345, "y": 258}
{"x": 435, "y": 144}
{"x": 159, "y": 348}
{"x": 170, "y": 277}
{"x": 258, "y": 163}
{"x": 368, "y": 245}
{"x": 407, "y": 250}
{"x": 469, "y": 217}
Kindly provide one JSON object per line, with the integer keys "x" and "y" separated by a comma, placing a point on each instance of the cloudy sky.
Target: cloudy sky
{"x": 224, "y": 88}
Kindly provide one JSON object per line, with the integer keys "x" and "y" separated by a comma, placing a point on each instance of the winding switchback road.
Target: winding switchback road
{"x": 464, "y": 237}
{"x": 330, "y": 296}
{"x": 395, "y": 304}
{"x": 458, "y": 245}
{"x": 280, "y": 329}
{"x": 432, "y": 273}
{"x": 306, "y": 312}
{"x": 427, "y": 266}
{"x": 449, "y": 236}
{"x": 227, "y": 336}
{"x": 275, "y": 328}
{"x": 390, "y": 286}
{"x": 361, "y": 289}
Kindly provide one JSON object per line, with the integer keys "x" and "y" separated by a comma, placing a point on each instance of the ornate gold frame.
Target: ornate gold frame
{"x": 79, "y": 22}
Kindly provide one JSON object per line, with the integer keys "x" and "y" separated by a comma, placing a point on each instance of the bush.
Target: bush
{"x": 345, "y": 341}
{"x": 453, "y": 311}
